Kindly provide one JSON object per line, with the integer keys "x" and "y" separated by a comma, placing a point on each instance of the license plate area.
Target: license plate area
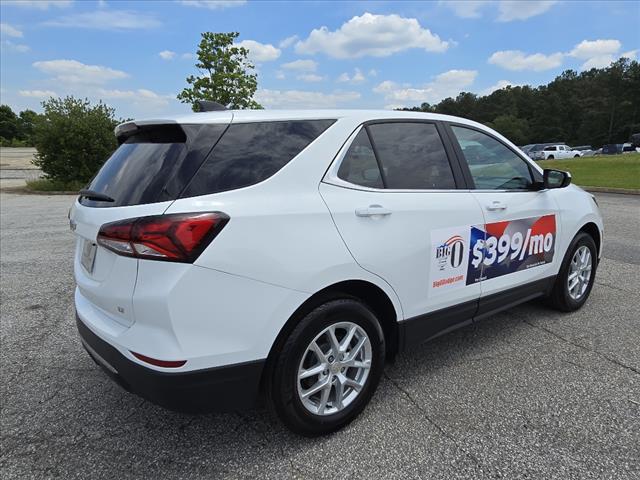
{"x": 88, "y": 257}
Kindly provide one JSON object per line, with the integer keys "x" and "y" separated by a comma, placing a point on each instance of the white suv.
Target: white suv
{"x": 225, "y": 257}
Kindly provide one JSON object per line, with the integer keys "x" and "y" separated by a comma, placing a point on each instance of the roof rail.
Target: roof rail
{"x": 209, "y": 106}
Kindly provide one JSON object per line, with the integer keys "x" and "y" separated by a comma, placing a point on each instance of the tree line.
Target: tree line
{"x": 594, "y": 107}
{"x": 16, "y": 130}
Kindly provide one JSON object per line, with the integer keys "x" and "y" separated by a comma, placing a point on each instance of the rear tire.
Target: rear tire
{"x": 344, "y": 379}
{"x": 550, "y": 157}
{"x": 577, "y": 274}
{"x": 576, "y": 156}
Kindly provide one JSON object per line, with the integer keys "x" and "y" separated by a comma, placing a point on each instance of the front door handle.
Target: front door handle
{"x": 372, "y": 211}
{"x": 496, "y": 205}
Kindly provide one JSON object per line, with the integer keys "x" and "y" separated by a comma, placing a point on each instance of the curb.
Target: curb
{"x": 625, "y": 191}
{"x": 26, "y": 191}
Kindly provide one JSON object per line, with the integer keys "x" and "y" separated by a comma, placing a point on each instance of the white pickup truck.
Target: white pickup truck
{"x": 559, "y": 151}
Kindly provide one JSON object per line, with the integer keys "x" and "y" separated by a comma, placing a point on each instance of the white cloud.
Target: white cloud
{"x": 373, "y": 72}
{"x": 140, "y": 97}
{"x": 374, "y": 35}
{"x": 594, "y": 48}
{"x": 356, "y": 78}
{"x": 598, "y": 53}
{"x": 301, "y": 65}
{"x": 280, "y": 75}
{"x": 510, "y": 10}
{"x": 466, "y": 8}
{"x": 385, "y": 87}
{"x": 10, "y": 30}
{"x": 304, "y": 99}
{"x": 499, "y": 85}
{"x": 447, "y": 84}
{"x": 260, "y": 52}
{"x": 167, "y": 55}
{"x": 8, "y": 45}
{"x": 517, "y": 60}
{"x": 106, "y": 20}
{"x": 188, "y": 56}
{"x": 631, "y": 54}
{"x": 74, "y": 72}
{"x": 39, "y": 4}
{"x": 310, "y": 77}
{"x": 37, "y": 93}
{"x": 287, "y": 42}
{"x": 213, "y": 4}
{"x": 599, "y": 61}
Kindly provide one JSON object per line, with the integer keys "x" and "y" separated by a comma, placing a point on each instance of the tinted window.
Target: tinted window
{"x": 249, "y": 153}
{"x": 154, "y": 164}
{"x": 493, "y": 165}
{"x": 359, "y": 165}
{"x": 412, "y": 156}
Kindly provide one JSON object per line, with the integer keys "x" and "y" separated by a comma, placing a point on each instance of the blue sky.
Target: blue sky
{"x": 136, "y": 55}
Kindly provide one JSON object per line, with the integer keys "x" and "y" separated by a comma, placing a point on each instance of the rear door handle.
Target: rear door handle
{"x": 496, "y": 205}
{"x": 372, "y": 211}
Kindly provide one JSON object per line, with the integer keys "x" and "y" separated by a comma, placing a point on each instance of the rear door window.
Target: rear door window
{"x": 412, "y": 156}
{"x": 249, "y": 153}
{"x": 154, "y": 164}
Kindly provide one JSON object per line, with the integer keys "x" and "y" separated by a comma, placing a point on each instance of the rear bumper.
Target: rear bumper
{"x": 226, "y": 388}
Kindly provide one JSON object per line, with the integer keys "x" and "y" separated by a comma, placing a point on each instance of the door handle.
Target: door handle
{"x": 372, "y": 211}
{"x": 496, "y": 205}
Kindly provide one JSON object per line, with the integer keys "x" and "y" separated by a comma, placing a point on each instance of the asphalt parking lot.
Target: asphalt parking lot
{"x": 529, "y": 393}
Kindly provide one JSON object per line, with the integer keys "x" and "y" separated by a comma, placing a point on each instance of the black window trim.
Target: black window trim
{"x": 331, "y": 176}
{"x": 536, "y": 176}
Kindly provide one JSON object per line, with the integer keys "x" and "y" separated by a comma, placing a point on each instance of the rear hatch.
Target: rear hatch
{"x": 149, "y": 170}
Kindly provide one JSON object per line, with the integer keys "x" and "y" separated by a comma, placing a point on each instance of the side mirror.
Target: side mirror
{"x": 556, "y": 178}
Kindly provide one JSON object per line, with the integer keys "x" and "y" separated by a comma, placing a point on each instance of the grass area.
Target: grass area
{"x": 49, "y": 185}
{"x": 613, "y": 171}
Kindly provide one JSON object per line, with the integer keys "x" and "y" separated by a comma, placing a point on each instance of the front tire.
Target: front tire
{"x": 328, "y": 368}
{"x": 577, "y": 274}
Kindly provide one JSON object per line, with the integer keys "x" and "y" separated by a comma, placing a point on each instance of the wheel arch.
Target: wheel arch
{"x": 592, "y": 229}
{"x": 370, "y": 294}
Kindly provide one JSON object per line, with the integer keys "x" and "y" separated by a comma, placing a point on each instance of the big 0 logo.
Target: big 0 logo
{"x": 501, "y": 248}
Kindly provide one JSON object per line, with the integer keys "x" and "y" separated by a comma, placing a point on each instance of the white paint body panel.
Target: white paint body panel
{"x": 289, "y": 237}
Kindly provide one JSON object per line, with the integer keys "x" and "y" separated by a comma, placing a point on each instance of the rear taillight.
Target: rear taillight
{"x": 176, "y": 237}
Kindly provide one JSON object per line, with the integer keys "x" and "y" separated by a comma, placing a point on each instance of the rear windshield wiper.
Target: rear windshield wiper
{"x": 97, "y": 196}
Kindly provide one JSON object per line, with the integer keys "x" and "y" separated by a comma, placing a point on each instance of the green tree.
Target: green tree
{"x": 26, "y": 124}
{"x": 596, "y": 106}
{"x": 515, "y": 129}
{"x": 73, "y": 138}
{"x": 8, "y": 123}
{"x": 225, "y": 74}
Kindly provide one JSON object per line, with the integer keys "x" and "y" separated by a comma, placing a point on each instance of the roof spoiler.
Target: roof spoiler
{"x": 209, "y": 106}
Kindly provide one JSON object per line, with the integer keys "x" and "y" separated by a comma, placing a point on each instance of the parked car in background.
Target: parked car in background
{"x": 612, "y": 149}
{"x": 535, "y": 151}
{"x": 629, "y": 148}
{"x": 557, "y": 151}
{"x": 527, "y": 148}
{"x": 585, "y": 150}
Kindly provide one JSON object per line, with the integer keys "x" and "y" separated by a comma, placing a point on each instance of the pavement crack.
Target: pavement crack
{"x": 587, "y": 349}
{"x": 615, "y": 287}
{"x": 440, "y": 429}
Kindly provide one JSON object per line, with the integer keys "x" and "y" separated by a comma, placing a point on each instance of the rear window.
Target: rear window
{"x": 249, "y": 153}
{"x": 153, "y": 165}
